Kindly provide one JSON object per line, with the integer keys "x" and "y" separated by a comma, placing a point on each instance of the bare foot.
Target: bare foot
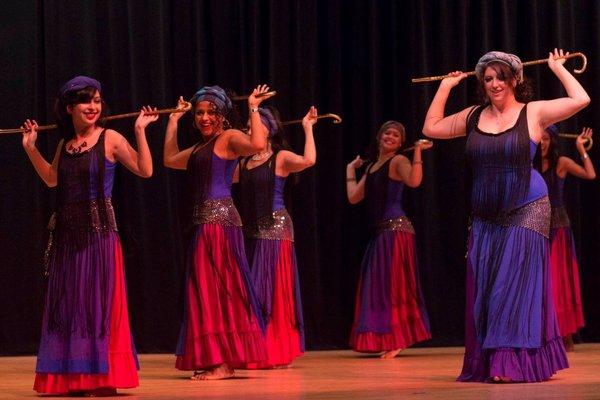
{"x": 501, "y": 379}
{"x": 390, "y": 354}
{"x": 223, "y": 371}
{"x": 569, "y": 344}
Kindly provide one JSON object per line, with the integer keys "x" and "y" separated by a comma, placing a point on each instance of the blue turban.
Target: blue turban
{"x": 215, "y": 95}
{"x": 268, "y": 120}
{"x": 552, "y": 130}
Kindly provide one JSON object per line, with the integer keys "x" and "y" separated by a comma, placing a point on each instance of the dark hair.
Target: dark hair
{"x": 523, "y": 91}
{"x": 64, "y": 120}
{"x": 374, "y": 147}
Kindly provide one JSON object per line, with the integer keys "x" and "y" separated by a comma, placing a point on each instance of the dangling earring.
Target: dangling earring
{"x": 226, "y": 124}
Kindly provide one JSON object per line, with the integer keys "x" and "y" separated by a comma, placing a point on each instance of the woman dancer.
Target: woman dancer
{"x": 222, "y": 324}
{"x": 511, "y": 330}
{"x": 390, "y": 313}
{"x": 563, "y": 259}
{"x": 269, "y": 235}
{"x": 86, "y": 344}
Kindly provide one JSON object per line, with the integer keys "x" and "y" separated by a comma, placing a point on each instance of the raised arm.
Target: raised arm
{"x": 48, "y": 172}
{"x": 246, "y": 145}
{"x": 291, "y": 162}
{"x": 172, "y": 157}
{"x": 355, "y": 190}
{"x": 137, "y": 161}
{"x": 412, "y": 174}
{"x": 571, "y": 167}
{"x": 438, "y": 126}
{"x": 551, "y": 111}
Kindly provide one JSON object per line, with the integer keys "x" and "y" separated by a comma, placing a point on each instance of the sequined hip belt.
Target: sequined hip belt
{"x": 275, "y": 226}
{"x": 85, "y": 216}
{"x": 559, "y": 218}
{"x": 534, "y": 216}
{"x": 217, "y": 211}
{"x": 398, "y": 224}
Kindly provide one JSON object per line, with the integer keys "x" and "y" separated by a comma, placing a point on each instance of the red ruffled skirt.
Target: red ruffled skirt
{"x": 565, "y": 282}
{"x": 220, "y": 323}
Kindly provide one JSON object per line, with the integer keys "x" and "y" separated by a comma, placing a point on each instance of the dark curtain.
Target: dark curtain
{"x": 350, "y": 57}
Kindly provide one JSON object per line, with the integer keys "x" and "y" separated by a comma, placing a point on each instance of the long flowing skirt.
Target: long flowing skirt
{"x": 565, "y": 281}
{"x": 221, "y": 319}
{"x": 72, "y": 359}
{"x": 275, "y": 281}
{"x": 511, "y": 328}
{"x": 390, "y": 312}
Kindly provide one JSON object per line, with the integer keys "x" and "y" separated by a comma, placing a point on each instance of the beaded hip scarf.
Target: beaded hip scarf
{"x": 217, "y": 211}
{"x": 399, "y": 224}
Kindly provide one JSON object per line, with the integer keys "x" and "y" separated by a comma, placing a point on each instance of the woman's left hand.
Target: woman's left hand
{"x": 555, "y": 59}
{"x": 144, "y": 118}
{"x": 310, "y": 118}
{"x": 583, "y": 138}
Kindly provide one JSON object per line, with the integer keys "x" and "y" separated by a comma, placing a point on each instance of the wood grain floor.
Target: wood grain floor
{"x": 426, "y": 373}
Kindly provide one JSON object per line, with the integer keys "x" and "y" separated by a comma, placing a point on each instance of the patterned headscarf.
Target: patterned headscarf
{"x": 511, "y": 60}
{"x": 553, "y": 131}
{"x": 215, "y": 95}
{"x": 268, "y": 120}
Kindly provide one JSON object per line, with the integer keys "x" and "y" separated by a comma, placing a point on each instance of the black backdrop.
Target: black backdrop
{"x": 351, "y": 57}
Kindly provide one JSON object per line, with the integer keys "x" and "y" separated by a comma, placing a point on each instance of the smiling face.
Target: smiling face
{"x": 390, "y": 140}
{"x": 498, "y": 83}
{"x": 87, "y": 112}
{"x": 545, "y": 144}
{"x": 206, "y": 118}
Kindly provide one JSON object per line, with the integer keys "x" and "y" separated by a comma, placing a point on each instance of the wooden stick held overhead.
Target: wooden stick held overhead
{"x": 336, "y": 119}
{"x": 589, "y": 141}
{"x": 187, "y": 107}
{"x": 525, "y": 64}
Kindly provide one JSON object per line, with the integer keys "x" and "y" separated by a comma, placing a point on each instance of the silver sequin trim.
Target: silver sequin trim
{"x": 217, "y": 211}
{"x": 559, "y": 218}
{"x": 399, "y": 224}
{"x": 279, "y": 227}
{"x": 84, "y": 216}
{"x": 534, "y": 216}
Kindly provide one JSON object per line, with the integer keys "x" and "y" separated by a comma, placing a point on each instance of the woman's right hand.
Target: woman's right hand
{"x": 453, "y": 79}
{"x": 356, "y": 163}
{"x": 254, "y": 99}
{"x": 30, "y": 131}
{"x": 181, "y": 105}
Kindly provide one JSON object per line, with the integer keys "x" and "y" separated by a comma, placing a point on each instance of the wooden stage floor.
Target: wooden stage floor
{"x": 426, "y": 373}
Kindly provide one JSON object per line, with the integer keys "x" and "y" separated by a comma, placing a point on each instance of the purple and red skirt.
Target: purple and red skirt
{"x": 275, "y": 282}
{"x": 86, "y": 341}
{"x": 221, "y": 319}
{"x": 390, "y": 311}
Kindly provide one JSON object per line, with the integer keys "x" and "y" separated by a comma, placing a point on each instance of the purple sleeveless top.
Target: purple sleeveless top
{"x": 221, "y": 177}
{"x": 278, "y": 203}
{"x": 79, "y": 175}
{"x": 556, "y": 186}
{"x": 210, "y": 176}
{"x": 503, "y": 175}
{"x": 383, "y": 195}
{"x": 261, "y": 192}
